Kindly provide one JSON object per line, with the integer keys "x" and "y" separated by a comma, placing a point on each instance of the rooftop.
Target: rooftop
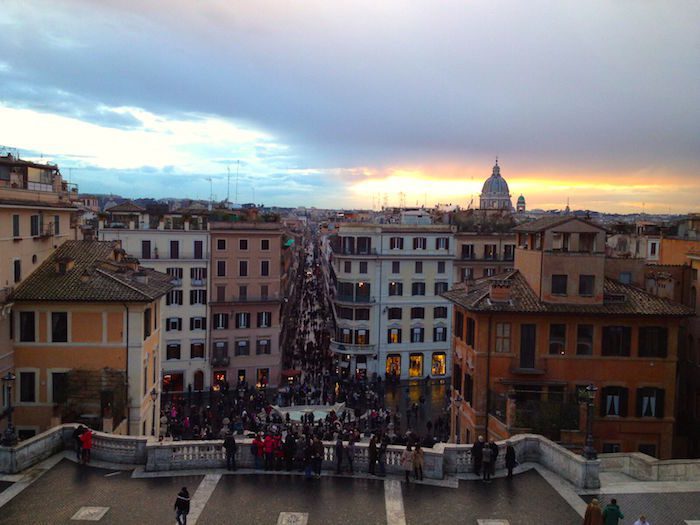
{"x": 93, "y": 271}
{"x": 546, "y": 223}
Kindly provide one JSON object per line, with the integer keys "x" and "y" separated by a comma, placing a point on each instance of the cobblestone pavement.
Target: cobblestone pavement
{"x": 659, "y": 509}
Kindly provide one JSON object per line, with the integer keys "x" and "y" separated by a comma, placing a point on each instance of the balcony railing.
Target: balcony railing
{"x": 347, "y": 348}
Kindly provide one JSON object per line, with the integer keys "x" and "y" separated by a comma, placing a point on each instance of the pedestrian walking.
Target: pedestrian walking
{"x": 486, "y": 457}
{"x": 86, "y": 441}
{"x": 317, "y": 455}
{"x": 339, "y": 451}
{"x": 612, "y": 513}
{"x": 407, "y": 461}
{"x": 230, "y": 448}
{"x": 182, "y": 506}
{"x": 418, "y": 463}
{"x": 476, "y": 454}
{"x": 511, "y": 462}
{"x": 594, "y": 514}
{"x": 642, "y": 520}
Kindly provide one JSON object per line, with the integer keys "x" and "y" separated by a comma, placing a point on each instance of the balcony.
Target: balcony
{"x": 198, "y": 282}
{"x": 351, "y": 349}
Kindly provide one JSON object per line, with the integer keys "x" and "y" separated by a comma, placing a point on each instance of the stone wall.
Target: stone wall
{"x": 647, "y": 468}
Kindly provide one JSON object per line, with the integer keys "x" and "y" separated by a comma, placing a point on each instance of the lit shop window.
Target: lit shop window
{"x": 439, "y": 364}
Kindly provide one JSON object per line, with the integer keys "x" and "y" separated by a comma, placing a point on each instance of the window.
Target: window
{"x": 508, "y": 252}
{"x": 467, "y": 274}
{"x": 440, "y": 287}
{"x": 198, "y": 297}
{"x": 439, "y": 363}
{"x": 220, "y": 321}
{"x": 27, "y": 387}
{"x": 147, "y": 323}
{"x": 145, "y": 249}
{"x": 650, "y": 402}
{"x": 242, "y": 347}
{"x": 616, "y": 340}
{"x": 440, "y": 312}
{"x": 174, "y": 249}
{"x": 652, "y": 248}
{"x": 264, "y": 244}
{"x": 362, "y": 291}
{"x": 418, "y": 289}
{"x": 626, "y": 277}
{"x": 198, "y": 323}
{"x": 586, "y": 285}
{"x": 17, "y": 270}
{"x": 175, "y": 273}
{"x": 347, "y": 266}
{"x": 490, "y": 252}
{"x": 173, "y": 324}
{"x": 439, "y": 334}
{"x": 613, "y": 401}
{"x": 243, "y": 268}
{"x": 243, "y": 320}
{"x": 56, "y": 225}
{"x": 559, "y": 284}
{"x": 363, "y": 266}
{"x": 442, "y": 243}
{"x": 417, "y": 334}
{"x": 220, "y": 244}
{"x": 243, "y": 293}
{"x": 557, "y": 339}
{"x": 197, "y": 351}
{"x": 263, "y": 346}
{"x": 393, "y": 336}
{"x": 420, "y": 243}
{"x": 417, "y": 312}
{"x": 395, "y": 288}
{"x": 502, "y": 337}
{"x": 220, "y": 294}
{"x": 396, "y": 243}
{"x": 362, "y": 337}
{"x": 198, "y": 274}
{"x": 221, "y": 268}
{"x": 264, "y": 292}
{"x": 489, "y": 272}
{"x": 415, "y": 365}
{"x": 528, "y": 345}
{"x": 34, "y": 225}
{"x": 362, "y": 314}
{"x": 172, "y": 351}
{"x": 395, "y": 267}
{"x": 419, "y": 267}
{"x": 59, "y": 387}
{"x": 441, "y": 267}
{"x": 264, "y": 268}
{"x": 467, "y": 251}
{"x": 393, "y": 365}
{"x": 394, "y": 313}
{"x": 586, "y": 242}
{"x": 584, "y": 339}
{"x": 242, "y": 244}
{"x": 345, "y": 313}
{"x": 174, "y": 297}
{"x": 345, "y": 335}
{"x": 198, "y": 250}
{"x": 471, "y": 331}
{"x": 653, "y": 341}
{"x": 364, "y": 245}
{"x": 220, "y": 349}
{"x": 264, "y": 319}
{"x": 611, "y": 448}
{"x": 15, "y": 226}
{"x": 459, "y": 325}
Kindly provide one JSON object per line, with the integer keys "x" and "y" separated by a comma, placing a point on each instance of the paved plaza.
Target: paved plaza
{"x": 61, "y": 491}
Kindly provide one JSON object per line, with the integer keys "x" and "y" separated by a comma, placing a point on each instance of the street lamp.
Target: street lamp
{"x": 154, "y": 397}
{"x": 588, "y": 395}
{"x": 9, "y": 437}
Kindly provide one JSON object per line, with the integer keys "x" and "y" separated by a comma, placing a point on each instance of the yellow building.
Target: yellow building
{"x": 86, "y": 333}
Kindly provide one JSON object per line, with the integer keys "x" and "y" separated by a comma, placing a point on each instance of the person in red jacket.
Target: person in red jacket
{"x": 86, "y": 440}
{"x": 279, "y": 452}
{"x": 269, "y": 452}
{"x": 259, "y": 450}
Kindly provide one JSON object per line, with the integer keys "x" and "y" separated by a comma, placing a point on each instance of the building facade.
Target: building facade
{"x": 482, "y": 254}
{"x": 175, "y": 243}
{"x": 527, "y": 343}
{"x": 390, "y": 317}
{"x": 86, "y": 335}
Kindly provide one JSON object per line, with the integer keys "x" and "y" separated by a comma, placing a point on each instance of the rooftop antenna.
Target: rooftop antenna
{"x": 228, "y": 183}
{"x": 211, "y": 194}
{"x": 238, "y": 165}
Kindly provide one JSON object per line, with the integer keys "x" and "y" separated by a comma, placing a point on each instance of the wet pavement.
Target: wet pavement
{"x": 662, "y": 509}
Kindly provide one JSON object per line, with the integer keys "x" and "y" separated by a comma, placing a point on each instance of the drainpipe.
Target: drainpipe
{"x": 488, "y": 380}
{"x": 126, "y": 374}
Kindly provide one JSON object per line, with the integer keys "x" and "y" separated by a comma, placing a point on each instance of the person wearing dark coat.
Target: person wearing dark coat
{"x": 477, "y": 455}
{"x": 612, "y": 513}
{"x": 510, "y": 459}
{"x": 78, "y": 442}
{"x": 494, "y": 456}
{"x": 372, "y": 455}
{"x": 339, "y": 451}
{"x": 230, "y": 448}
{"x": 182, "y": 506}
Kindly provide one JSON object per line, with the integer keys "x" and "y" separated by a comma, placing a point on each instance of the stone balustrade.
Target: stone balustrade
{"x": 647, "y": 468}
{"x": 444, "y": 459}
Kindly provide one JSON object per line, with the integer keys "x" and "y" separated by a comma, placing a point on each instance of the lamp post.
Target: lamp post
{"x": 589, "y": 396}
{"x": 154, "y": 397}
{"x": 9, "y": 437}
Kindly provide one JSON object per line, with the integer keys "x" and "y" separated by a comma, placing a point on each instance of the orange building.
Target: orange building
{"x": 86, "y": 332}
{"x": 527, "y": 341}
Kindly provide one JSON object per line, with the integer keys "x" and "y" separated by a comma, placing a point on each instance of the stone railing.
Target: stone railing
{"x": 647, "y": 468}
{"x": 440, "y": 461}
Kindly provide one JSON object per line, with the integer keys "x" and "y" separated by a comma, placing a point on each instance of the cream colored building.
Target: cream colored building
{"x": 177, "y": 244}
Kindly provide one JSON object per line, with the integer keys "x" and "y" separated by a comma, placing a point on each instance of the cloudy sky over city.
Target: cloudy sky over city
{"x": 341, "y": 103}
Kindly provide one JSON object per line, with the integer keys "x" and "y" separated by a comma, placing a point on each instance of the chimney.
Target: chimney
{"x": 499, "y": 291}
{"x": 141, "y": 277}
{"x": 64, "y": 265}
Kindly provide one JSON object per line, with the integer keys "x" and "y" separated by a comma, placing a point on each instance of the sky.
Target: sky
{"x": 352, "y": 103}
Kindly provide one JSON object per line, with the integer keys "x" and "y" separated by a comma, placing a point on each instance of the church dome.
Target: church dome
{"x": 495, "y": 184}
{"x": 521, "y": 200}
